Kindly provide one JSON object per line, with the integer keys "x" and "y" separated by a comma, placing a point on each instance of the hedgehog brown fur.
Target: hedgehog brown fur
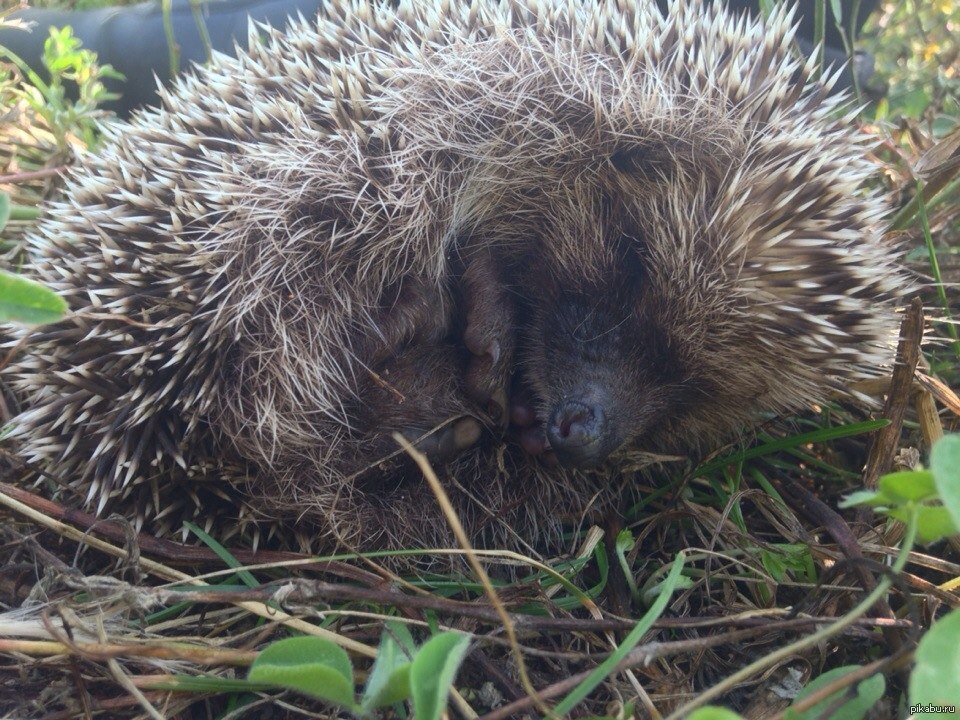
{"x": 644, "y": 230}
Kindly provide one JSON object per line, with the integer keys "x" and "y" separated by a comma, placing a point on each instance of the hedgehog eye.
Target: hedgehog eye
{"x": 634, "y": 258}
{"x": 644, "y": 160}
{"x": 625, "y": 159}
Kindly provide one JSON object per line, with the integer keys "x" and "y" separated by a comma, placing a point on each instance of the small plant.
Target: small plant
{"x": 22, "y": 300}
{"x": 319, "y": 668}
{"x": 928, "y": 501}
{"x": 66, "y": 63}
{"x": 50, "y": 109}
{"x": 934, "y": 682}
{"x": 931, "y": 495}
{"x": 852, "y": 702}
{"x": 931, "y": 498}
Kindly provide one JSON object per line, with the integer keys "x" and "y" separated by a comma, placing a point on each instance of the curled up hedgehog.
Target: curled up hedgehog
{"x": 536, "y": 237}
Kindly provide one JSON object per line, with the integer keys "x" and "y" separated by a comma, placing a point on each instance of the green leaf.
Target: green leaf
{"x": 433, "y": 671}
{"x": 623, "y": 545}
{"x": 774, "y": 564}
{"x": 4, "y": 210}
{"x": 911, "y": 103}
{"x": 401, "y": 634}
{"x": 934, "y": 522}
{"x": 837, "y": 8}
{"x": 935, "y": 680}
{"x": 865, "y": 497}
{"x": 714, "y": 713}
{"x": 389, "y": 679}
{"x": 868, "y": 692}
{"x": 653, "y": 590}
{"x": 945, "y": 465}
{"x": 883, "y": 111}
{"x": 625, "y": 541}
{"x": 797, "y": 559}
{"x": 25, "y": 301}
{"x": 908, "y": 485}
{"x": 245, "y": 575}
{"x": 310, "y": 665}
{"x": 205, "y": 684}
{"x": 768, "y": 448}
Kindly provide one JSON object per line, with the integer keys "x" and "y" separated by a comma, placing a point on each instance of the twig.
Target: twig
{"x": 885, "y": 440}
{"x": 159, "y": 570}
{"x": 174, "y": 553}
{"x": 819, "y": 513}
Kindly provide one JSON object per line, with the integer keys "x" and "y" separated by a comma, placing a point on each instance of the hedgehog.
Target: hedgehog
{"x": 542, "y": 240}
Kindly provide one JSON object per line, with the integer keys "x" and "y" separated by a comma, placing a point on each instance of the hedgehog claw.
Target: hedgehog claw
{"x": 486, "y": 386}
{"x": 529, "y": 431}
{"x": 534, "y": 440}
{"x": 494, "y": 352}
{"x": 445, "y": 443}
{"x": 497, "y": 406}
{"x": 522, "y": 414}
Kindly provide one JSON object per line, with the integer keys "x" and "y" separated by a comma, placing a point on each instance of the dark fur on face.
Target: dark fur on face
{"x": 604, "y": 373}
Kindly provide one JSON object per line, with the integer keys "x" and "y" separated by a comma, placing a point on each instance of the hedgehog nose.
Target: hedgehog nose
{"x": 576, "y": 432}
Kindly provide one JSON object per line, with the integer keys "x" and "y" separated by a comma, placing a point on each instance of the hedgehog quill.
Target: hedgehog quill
{"x": 609, "y": 229}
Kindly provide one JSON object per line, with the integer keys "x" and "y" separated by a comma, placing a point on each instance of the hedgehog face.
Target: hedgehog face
{"x": 604, "y": 374}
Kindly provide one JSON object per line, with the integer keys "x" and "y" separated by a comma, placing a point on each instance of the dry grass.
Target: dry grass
{"x": 103, "y": 627}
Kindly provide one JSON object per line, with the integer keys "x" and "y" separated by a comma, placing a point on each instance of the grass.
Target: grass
{"x": 104, "y": 621}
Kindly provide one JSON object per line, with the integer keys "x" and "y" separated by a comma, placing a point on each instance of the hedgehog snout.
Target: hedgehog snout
{"x": 579, "y": 431}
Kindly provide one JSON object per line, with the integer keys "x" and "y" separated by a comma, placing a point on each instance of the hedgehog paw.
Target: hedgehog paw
{"x": 529, "y": 431}
{"x": 447, "y": 442}
{"x": 488, "y": 336}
